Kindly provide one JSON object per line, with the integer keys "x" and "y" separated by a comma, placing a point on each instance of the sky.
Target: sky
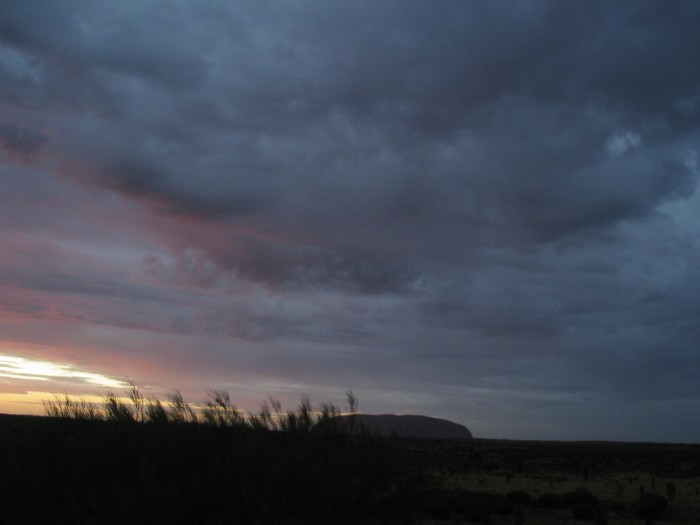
{"x": 482, "y": 211}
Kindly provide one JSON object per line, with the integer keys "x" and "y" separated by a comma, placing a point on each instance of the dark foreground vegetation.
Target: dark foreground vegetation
{"x": 103, "y": 472}
{"x": 140, "y": 460}
{"x": 149, "y": 462}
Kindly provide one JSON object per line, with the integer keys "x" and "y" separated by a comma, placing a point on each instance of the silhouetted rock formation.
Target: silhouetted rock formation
{"x": 405, "y": 426}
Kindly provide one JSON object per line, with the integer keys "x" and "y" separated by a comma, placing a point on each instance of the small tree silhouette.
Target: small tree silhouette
{"x": 138, "y": 402}
{"x": 671, "y": 490}
{"x": 220, "y": 412}
{"x": 155, "y": 412}
{"x": 352, "y": 405}
{"x": 179, "y": 410}
{"x": 116, "y": 409}
{"x": 64, "y": 407}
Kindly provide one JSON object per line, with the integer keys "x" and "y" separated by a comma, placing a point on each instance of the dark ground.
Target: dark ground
{"x": 559, "y": 479}
{"x": 84, "y": 472}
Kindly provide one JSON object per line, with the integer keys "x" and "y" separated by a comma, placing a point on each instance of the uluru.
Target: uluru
{"x": 414, "y": 426}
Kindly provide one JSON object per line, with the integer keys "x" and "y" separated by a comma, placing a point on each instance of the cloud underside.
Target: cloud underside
{"x": 447, "y": 182}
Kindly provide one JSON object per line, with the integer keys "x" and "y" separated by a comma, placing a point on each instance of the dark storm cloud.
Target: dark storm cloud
{"x": 518, "y": 180}
{"x": 520, "y": 96}
{"x": 310, "y": 266}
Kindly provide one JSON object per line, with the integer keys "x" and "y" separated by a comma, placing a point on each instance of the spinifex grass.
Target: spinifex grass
{"x": 85, "y": 471}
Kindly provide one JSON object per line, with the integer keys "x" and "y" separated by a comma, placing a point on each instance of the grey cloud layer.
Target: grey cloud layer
{"x": 501, "y": 167}
{"x": 505, "y": 107}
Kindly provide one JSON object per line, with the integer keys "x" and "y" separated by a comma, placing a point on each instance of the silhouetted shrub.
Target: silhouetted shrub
{"x": 519, "y": 497}
{"x": 63, "y": 406}
{"x": 179, "y": 410}
{"x": 618, "y": 506}
{"x": 519, "y": 517}
{"x": 115, "y": 464}
{"x": 218, "y": 410}
{"x": 578, "y": 497}
{"x": 473, "y": 505}
{"x": 583, "y": 511}
{"x": 155, "y": 412}
{"x": 479, "y": 510}
{"x": 548, "y": 501}
{"x": 116, "y": 410}
{"x": 503, "y": 506}
{"x": 75, "y": 471}
{"x": 670, "y": 490}
{"x": 601, "y": 515}
{"x": 649, "y": 506}
{"x": 442, "y": 504}
{"x": 478, "y": 507}
{"x": 301, "y": 420}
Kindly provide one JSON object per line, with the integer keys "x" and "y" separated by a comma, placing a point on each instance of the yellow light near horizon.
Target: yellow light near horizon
{"x": 20, "y": 368}
{"x": 32, "y": 403}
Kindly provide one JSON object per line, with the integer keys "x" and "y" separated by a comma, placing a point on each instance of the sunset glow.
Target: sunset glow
{"x": 32, "y": 402}
{"x": 20, "y": 368}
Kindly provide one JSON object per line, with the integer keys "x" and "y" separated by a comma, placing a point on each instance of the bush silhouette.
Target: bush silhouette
{"x": 578, "y": 497}
{"x": 583, "y": 511}
{"x": 649, "y": 506}
{"x": 63, "y": 406}
{"x": 520, "y": 497}
{"x": 548, "y": 501}
{"x": 141, "y": 460}
{"x": 601, "y": 515}
{"x": 217, "y": 410}
{"x": 670, "y": 490}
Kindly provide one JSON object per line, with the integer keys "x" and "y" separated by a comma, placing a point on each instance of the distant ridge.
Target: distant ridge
{"x": 406, "y": 426}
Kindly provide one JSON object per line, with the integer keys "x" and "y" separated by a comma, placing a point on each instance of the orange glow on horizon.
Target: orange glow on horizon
{"x": 32, "y": 403}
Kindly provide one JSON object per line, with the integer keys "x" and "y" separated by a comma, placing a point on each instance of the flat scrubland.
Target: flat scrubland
{"x": 505, "y": 482}
{"x": 82, "y": 471}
